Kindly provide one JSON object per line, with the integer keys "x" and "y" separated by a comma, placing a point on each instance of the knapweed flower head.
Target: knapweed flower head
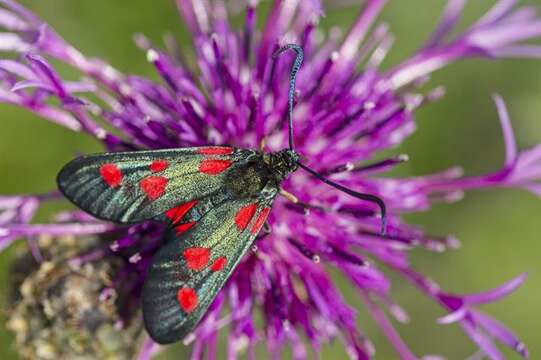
{"x": 61, "y": 311}
{"x": 347, "y": 111}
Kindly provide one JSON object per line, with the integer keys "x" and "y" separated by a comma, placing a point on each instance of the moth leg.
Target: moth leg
{"x": 289, "y": 196}
{"x": 302, "y": 205}
{"x": 267, "y": 229}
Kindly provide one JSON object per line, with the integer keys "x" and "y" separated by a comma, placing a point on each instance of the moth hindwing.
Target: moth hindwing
{"x": 190, "y": 269}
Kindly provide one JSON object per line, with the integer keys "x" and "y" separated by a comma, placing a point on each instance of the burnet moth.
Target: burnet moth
{"x": 215, "y": 200}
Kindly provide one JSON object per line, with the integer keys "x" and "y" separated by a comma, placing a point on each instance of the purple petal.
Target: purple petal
{"x": 42, "y": 68}
{"x": 358, "y": 31}
{"x": 12, "y": 42}
{"x": 507, "y": 129}
{"x": 29, "y": 84}
{"x": 453, "y": 317}
{"x": 388, "y": 329}
{"x": 501, "y": 9}
{"x": 450, "y": 17}
{"x": 55, "y": 229}
{"x": 11, "y": 22}
{"x": 18, "y": 69}
{"x": 21, "y": 11}
{"x": 500, "y": 332}
{"x": 519, "y": 51}
{"x": 483, "y": 342}
{"x": 498, "y": 293}
{"x": 504, "y": 35}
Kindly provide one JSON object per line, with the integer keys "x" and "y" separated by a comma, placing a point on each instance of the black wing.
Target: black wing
{"x": 134, "y": 186}
{"x": 190, "y": 269}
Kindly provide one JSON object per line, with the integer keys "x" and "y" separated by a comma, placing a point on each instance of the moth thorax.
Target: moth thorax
{"x": 282, "y": 163}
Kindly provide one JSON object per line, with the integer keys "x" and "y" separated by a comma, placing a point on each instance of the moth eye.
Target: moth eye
{"x": 158, "y": 165}
{"x": 153, "y": 186}
{"x": 111, "y": 174}
{"x": 187, "y": 299}
{"x": 244, "y": 216}
{"x": 214, "y": 167}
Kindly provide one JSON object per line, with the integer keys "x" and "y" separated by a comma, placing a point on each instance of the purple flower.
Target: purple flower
{"x": 237, "y": 94}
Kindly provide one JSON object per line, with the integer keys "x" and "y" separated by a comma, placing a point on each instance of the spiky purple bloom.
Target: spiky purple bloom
{"x": 344, "y": 117}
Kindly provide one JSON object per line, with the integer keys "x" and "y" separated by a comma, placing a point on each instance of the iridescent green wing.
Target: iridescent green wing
{"x": 134, "y": 186}
{"x": 188, "y": 271}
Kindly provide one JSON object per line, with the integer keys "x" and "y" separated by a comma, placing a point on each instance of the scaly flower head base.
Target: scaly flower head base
{"x": 345, "y": 114}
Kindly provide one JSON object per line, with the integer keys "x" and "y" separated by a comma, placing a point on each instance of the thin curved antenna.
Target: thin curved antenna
{"x": 367, "y": 197}
{"x": 294, "y": 70}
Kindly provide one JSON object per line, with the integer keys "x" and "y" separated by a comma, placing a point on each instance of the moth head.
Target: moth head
{"x": 291, "y": 159}
{"x": 283, "y": 163}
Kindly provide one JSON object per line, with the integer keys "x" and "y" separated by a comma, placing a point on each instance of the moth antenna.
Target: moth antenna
{"x": 294, "y": 70}
{"x": 293, "y": 77}
{"x": 367, "y": 197}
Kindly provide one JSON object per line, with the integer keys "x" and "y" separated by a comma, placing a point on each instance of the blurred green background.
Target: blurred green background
{"x": 499, "y": 229}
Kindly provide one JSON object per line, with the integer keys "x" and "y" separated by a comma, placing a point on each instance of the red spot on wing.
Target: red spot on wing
{"x": 244, "y": 215}
{"x": 214, "y": 167}
{"x": 260, "y": 220}
{"x": 111, "y": 174}
{"x": 187, "y": 298}
{"x": 177, "y": 213}
{"x": 215, "y": 150}
{"x": 218, "y": 264}
{"x": 196, "y": 258}
{"x": 158, "y": 165}
{"x": 153, "y": 186}
{"x": 184, "y": 227}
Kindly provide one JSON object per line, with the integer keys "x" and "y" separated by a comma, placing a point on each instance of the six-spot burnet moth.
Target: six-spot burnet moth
{"x": 215, "y": 200}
